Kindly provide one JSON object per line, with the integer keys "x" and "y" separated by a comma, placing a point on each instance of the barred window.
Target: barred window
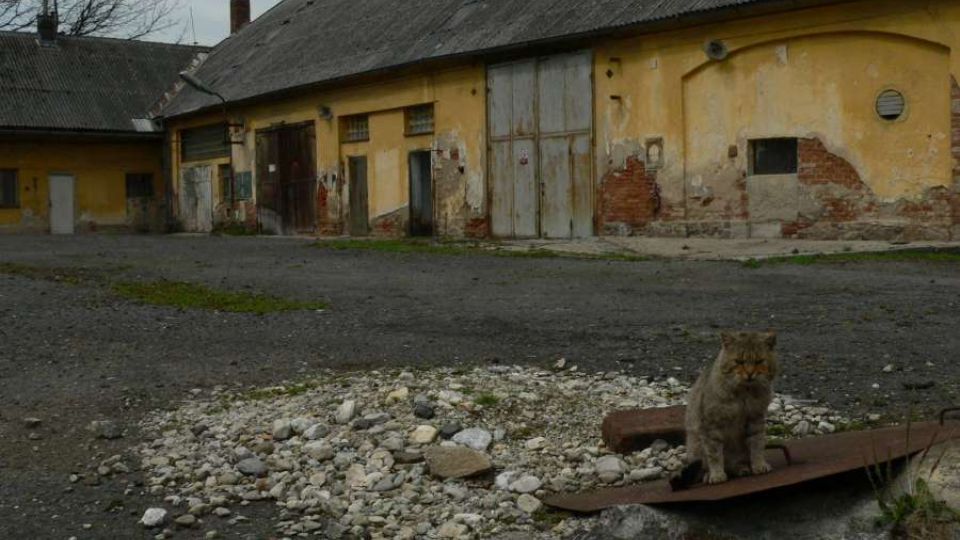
{"x": 419, "y": 120}
{"x": 356, "y": 128}
{"x": 139, "y": 185}
{"x": 9, "y": 189}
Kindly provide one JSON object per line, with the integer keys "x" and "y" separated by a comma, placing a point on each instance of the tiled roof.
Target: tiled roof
{"x": 304, "y": 42}
{"x": 84, "y": 84}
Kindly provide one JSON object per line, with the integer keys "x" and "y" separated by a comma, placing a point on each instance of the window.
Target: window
{"x": 356, "y": 128}
{"x": 773, "y": 156}
{"x": 891, "y": 105}
{"x": 139, "y": 185}
{"x": 419, "y": 120}
{"x": 239, "y": 188}
{"x": 9, "y": 189}
{"x": 208, "y": 142}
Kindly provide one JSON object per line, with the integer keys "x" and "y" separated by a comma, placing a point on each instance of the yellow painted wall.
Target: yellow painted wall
{"x": 813, "y": 72}
{"x": 809, "y": 73}
{"x": 458, "y": 96}
{"x": 100, "y": 170}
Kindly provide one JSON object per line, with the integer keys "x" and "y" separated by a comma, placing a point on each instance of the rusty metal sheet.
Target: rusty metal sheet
{"x": 635, "y": 429}
{"x": 813, "y": 458}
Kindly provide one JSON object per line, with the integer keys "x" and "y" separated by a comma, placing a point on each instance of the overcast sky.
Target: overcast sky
{"x": 211, "y": 19}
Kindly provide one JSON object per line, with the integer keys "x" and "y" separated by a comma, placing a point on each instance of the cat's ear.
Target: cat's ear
{"x": 728, "y": 338}
{"x": 770, "y": 338}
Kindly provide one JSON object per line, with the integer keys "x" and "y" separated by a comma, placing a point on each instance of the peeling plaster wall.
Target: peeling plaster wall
{"x": 789, "y": 75}
{"x": 457, "y": 144}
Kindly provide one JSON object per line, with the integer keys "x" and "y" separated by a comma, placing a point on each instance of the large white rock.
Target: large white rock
{"x": 528, "y": 503}
{"x": 154, "y": 517}
{"x": 346, "y": 411}
{"x": 423, "y": 435}
{"x": 610, "y": 469}
{"x": 526, "y": 484}
{"x": 476, "y": 438}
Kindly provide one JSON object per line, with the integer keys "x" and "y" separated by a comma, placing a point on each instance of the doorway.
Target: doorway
{"x": 421, "y": 193}
{"x": 359, "y": 214}
{"x": 540, "y": 116}
{"x": 287, "y": 179}
{"x": 62, "y": 205}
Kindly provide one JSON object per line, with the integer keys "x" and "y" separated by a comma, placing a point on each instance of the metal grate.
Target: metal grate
{"x": 9, "y": 189}
{"x": 891, "y": 105}
{"x": 420, "y": 120}
{"x": 202, "y": 143}
{"x": 356, "y": 128}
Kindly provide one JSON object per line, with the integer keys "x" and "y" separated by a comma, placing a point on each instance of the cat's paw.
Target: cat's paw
{"x": 715, "y": 477}
{"x": 761, "y": 467}
{"x": 744, "y": 470}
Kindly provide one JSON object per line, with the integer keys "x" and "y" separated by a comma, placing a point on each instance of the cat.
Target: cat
{"x": 726, "y": 419}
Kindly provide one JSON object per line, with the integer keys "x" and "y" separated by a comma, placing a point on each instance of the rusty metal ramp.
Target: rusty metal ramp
{"x": 811, "y": 458}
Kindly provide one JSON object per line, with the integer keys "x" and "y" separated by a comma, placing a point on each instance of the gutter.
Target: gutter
{"x": 568, "y": 41}
{"x": 73, "y": 133}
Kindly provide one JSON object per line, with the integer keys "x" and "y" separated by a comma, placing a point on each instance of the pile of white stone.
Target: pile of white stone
{"x": 441, "y": 453}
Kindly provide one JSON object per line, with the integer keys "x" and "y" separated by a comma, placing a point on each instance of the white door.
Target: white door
{"x": 196, "y": 199}
{"x": 61, "y": 203}
{"x": 541, "y": 122}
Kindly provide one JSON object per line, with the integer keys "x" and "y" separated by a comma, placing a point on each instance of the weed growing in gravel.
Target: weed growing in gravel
{"x": 193, "y": 296}
{"x": 904, "y": 255}
{"x": 914, "y": 511}
{"x": 487, "y": 400}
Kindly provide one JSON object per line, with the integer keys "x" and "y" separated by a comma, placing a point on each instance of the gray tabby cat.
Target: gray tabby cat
{"x": 727, "y": 408}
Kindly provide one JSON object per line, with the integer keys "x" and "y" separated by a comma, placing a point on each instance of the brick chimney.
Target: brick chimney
{"x": 239, "y": 15}
{"x": 47, "y": 24}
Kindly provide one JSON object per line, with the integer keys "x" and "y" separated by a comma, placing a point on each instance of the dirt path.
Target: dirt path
{"x": 74, "y": 352}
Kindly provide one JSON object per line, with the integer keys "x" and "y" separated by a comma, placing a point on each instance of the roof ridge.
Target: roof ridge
{"x": 32, "y": 34}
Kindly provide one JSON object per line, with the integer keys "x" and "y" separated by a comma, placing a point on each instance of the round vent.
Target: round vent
{"x": 891, "y": 104}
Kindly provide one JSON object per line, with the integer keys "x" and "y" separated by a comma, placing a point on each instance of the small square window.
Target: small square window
{"x": 139, "y": 185}
{"x": 356, "y": 128}
{"x": 9, "y": 189}
{"x": 419, "y": 120}
{"x": 773, "y": 156}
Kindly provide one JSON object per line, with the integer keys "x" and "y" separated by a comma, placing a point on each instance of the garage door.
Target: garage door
{"x": 541, "y": 123}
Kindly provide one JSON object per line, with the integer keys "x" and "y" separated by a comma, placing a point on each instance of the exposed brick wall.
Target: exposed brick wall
{"x": 477, "y": 228}
{"x": 629, "y": 199}
{"x": 328, "y": 217}
{"x": 818, "y": 166}
{"x": 393, "y": 224}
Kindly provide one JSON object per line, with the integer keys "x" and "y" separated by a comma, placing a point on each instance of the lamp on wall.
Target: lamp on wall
{"x": 326, "y": 112}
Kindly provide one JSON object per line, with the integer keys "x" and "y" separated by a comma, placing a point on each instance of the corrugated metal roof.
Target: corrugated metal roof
{"x": 88, "y": 84}
{"x": 304, "y": 42}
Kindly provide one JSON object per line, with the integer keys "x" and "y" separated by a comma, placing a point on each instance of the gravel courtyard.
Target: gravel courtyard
{"x": 864, "y": 338}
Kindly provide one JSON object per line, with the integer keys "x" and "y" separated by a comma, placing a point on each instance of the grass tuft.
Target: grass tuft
{"x": 193, "y": 296}
{"x": 487, "y": 400}
{"x": 903, "y": 255}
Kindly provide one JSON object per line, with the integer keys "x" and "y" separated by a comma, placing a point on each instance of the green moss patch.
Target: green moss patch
{"x": 903, "y": 255}
{"x": 193, "y": 296}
